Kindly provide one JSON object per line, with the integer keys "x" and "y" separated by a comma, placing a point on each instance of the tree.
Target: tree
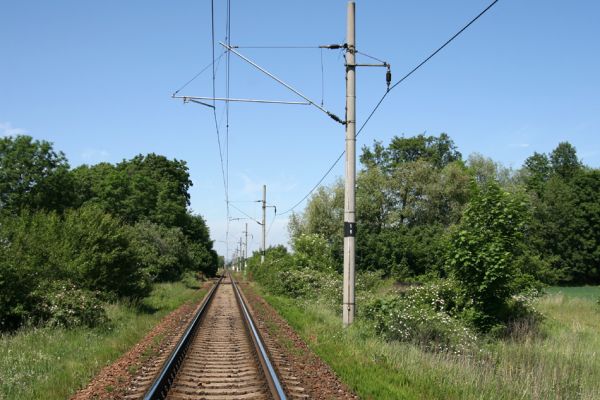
{"x": 482, "y": 253}
{"x": 438, "y": 151}
{"x": 564, "y": 160}
{"x": 484, "y": 169}
{"x": 149, "y": 187}
{"x": 569, "y": 217}
{"x": 33, "y": 176}
{"x": 407, "y": 194}
{"x": 537, "y": 170}
{"x": 565, "y": 196}
{"x": 322, "y": 216}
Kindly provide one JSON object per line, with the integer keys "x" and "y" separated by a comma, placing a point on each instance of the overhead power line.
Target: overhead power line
{"x": 227, "y": 87}
{"x": 212, "y": 9}
{"x": 385, "y": 95}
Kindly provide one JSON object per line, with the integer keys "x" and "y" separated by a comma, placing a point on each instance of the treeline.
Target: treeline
{"x": 412, "y": 195}
{"x": 72, "y": 239}
{"x": 474, "y": 241}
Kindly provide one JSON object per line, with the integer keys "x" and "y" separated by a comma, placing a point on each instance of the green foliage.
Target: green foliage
{"x": 32, "y": 176}
{"x": 559, "y": 363}
{"x": 438, "y": 151}
{"x": 85, "y": 247}
{"x": 537, "y": 170}
{"x": 200, "y": 246}
{"x": 312, "y": 251}
{"x": 322, "y": 216}
{"x": 147, "y": 187}
{"x": 485, "y": 170}
{"x": 482, "y": 253}
{"x": 76, "y": 227}
{"x": 403, "y": 252}
{"x": 52, "y": 363}
{"x": 166, "y": 253}
{"x": 162, "y": 252}
{"x": 98, "y": 256}
{"x": 62, "y": 304}
{"x": 566, "y": 198}
{"x": 564, "y": 160}
{"x": 423, "y": 315}
{"x": 407, "y": 196}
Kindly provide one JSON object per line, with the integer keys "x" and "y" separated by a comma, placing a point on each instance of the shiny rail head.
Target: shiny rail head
{"x": 270, "y": 374}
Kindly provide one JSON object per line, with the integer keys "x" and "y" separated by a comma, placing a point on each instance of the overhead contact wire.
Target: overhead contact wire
{"x": 214, "y": 90}
{"x": 227, "y": 73}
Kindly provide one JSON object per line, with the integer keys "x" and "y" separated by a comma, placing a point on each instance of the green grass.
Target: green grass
{"x": 51, "y": 363}
{"x": 584, "y": 292}
{"x": 561, "y": 363}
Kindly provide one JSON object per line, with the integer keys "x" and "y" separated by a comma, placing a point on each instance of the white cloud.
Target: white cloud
{"x": 94, "y": 155}
{"x": 6, "y": 129}
{"x": 520, "y": 145}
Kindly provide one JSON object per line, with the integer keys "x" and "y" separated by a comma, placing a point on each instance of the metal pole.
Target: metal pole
{"x": 349, "y": 195}
{"x": 246, "y": 248}
{"x": 242, "y": 255}
{"x": 264, "y": 224}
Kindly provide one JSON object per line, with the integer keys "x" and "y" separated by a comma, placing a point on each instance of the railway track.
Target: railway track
{"x": 220, "y": 356}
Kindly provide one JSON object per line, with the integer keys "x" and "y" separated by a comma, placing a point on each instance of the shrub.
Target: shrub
{"x": 63, "y": 304}
{"x": 306, "y": 283}
{"x": 314, "y": 252}
{"x": 27, "y": 245}
{"x": 482, "y": 254}
{"x": 85, "y": 246}
{"x": 202, "y": 259}
{"x": 369, "y": 280}
{"x": 97, "y": 255}
{"x": 424, "y": 316}
{"x": 162, "y": 252}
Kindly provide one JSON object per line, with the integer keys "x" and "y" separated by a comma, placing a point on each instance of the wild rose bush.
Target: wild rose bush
{"x": 423, "y": 315}
{"x": 65, "y": 305}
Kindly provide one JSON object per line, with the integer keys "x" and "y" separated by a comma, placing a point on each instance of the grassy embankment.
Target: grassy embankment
{"x": 562, "y": 362}
{"x": 51, "y": 363}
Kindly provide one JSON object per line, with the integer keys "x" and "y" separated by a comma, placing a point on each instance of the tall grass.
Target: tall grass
{"x": 52, "y": 363}
{"x": 561, "y": 361}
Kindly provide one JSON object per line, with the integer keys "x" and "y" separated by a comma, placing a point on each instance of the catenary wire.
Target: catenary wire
{"x": 214, "y": 103}
{"x": 227, "y": 89}
{"x": 385, "y": 95}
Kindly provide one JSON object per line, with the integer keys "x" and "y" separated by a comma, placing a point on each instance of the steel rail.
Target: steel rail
{"x": 275, "y": 385}
{"x": 164, "y": 380}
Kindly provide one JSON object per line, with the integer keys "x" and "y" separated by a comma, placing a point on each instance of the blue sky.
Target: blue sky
{"x": 95, "y": 78}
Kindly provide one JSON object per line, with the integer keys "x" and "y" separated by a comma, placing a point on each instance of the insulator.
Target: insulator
{"x": 388, "y": 77}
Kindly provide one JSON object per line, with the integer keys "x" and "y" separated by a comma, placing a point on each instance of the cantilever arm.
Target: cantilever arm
{"x": 331, "y": 115}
